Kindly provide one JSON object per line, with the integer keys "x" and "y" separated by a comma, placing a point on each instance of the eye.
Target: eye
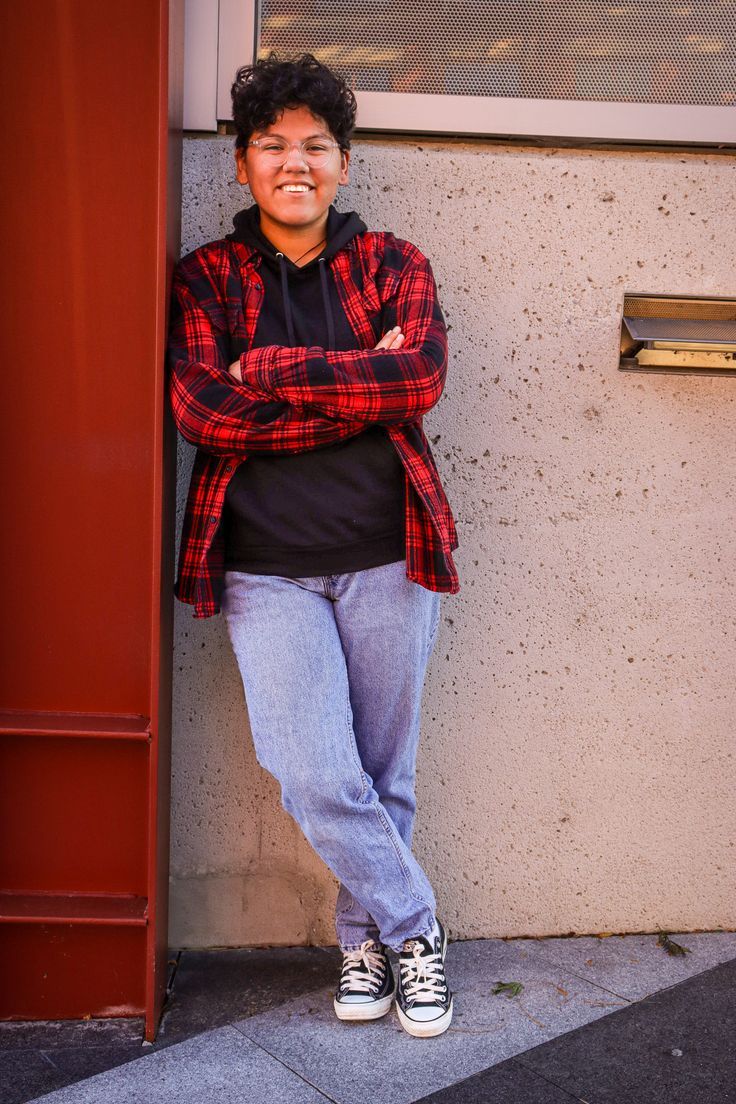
{"x": 318, "y": 147}
{"x": 273, "y": 146}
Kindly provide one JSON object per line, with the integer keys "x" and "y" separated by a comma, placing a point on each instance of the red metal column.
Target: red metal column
{"x": 91, "y": 95}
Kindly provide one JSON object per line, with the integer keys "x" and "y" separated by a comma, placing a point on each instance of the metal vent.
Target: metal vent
{"x": 660, "y": 306}
{"x": 646, "y": 52}
{"x": 668, "y": 333}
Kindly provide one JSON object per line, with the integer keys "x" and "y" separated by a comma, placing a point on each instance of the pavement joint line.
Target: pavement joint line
{"x": 636, "y": 1000}
{"x": 595, "y": 984}
{"x": 172, "y": 978}
{"x": 573, "y": 1096}
{"x": 332, "y": 1099}
{"x": 682, "y": 981}
{"x": 530, "y": 1069}
{"x": 50, "y": 1060}
{"x": 612, "y": 992}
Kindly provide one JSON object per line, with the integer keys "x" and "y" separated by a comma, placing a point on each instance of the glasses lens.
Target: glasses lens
{"x": 314, "y": 151}
{"x": 273, "y": 149}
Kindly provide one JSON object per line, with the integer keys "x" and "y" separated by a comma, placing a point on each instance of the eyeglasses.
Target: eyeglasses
{"x": 275, "y": 151}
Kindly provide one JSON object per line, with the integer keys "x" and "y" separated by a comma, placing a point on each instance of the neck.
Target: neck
{"x": 295, "y": 242}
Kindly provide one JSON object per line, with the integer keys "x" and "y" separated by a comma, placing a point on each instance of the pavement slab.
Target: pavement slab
{"x": 219, "y": 1065}
{"x": 209, "y": 989}
{"x": 673, "y": 1047}
{"x": 632, "y": 966}
{"x": 600, "y": 1020}
{"x": 214, "y": 987}
{"x": 24, "y": 1074}
{"x": 379, "y": 1061}
{"x": 508, "y": 1083}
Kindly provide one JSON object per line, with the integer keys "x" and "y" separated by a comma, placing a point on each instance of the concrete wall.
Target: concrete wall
{"x": 576, "y": 770}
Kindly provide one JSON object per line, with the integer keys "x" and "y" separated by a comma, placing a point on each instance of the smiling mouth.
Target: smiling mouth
{"x": 296, "y": 189}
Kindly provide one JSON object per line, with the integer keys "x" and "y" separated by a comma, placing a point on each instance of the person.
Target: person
{"x": 304, "y": 351}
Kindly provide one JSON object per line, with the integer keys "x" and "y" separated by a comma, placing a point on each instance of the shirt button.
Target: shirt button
{"x": 213, "y": 520}
{"x": 229, "y": 468}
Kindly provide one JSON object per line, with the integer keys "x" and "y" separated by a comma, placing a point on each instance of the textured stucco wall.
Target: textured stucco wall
{"x": 576, "y": 770}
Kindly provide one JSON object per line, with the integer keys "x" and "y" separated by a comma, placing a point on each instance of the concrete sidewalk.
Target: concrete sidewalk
{"x": 613, "y": 1020}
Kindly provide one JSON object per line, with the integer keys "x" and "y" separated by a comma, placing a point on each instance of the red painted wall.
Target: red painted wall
{"x": 91, "y": 198}
{"x": 82, "y": 290}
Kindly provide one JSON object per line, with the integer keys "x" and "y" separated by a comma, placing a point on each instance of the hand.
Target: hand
{"x": 393, "y": 339}
{"x": 234, "y": 370}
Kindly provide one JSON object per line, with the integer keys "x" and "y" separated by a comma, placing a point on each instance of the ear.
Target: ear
{"x": 241, "y": 171}
{"x": 344, "y": 162}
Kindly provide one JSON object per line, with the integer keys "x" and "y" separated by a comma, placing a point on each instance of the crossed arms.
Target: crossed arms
{"x": 295, "y": 399}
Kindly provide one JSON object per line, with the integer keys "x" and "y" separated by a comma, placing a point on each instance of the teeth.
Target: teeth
{"x": 295, "y": 188}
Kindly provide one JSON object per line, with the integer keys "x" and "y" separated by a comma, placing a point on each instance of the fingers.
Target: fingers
{"x": 393, "y": 339}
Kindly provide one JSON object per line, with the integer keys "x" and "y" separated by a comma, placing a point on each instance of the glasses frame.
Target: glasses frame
{"x": 259, "y": 142}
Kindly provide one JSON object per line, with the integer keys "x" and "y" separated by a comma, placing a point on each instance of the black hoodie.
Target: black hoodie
{"x": 330, "y": 510}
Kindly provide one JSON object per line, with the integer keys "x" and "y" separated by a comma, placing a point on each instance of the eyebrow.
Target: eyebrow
{"x": 273, "y": 134}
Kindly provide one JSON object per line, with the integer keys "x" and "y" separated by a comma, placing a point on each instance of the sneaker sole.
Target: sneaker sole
{"x": 424, "y": 1029}
{"x": 372, "y": 1011}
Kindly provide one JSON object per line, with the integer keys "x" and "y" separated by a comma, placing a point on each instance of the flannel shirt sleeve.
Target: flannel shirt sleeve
{"x": 218, "y": 413}
{"x": 390, "y": 387}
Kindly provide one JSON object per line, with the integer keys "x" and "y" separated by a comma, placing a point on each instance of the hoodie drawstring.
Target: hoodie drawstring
{"x": 287, "y": 302}
{"x": 326, "y": 301}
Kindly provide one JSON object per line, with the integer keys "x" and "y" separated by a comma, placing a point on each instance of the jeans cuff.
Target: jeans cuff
{"x": 357, "y": 946}
{"x": 424, "y": 934}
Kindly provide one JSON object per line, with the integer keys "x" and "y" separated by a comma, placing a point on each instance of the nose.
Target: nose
{"x": 301, "y": 162}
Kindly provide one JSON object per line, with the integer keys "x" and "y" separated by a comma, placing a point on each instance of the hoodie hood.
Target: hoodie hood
{"x": 342, "y": 227}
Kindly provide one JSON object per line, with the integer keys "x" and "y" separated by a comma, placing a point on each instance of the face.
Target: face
{"x": 269, "y": 186}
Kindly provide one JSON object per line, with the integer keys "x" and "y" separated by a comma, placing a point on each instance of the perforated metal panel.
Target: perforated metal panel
{"x": 661, "y": 306}
{"x": 647, "y": 52}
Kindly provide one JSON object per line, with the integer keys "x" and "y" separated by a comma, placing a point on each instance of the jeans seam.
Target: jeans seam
{"x": 407, "y": 873}
{"x": 354, "y": 748}
{"x": 433, "y": 634}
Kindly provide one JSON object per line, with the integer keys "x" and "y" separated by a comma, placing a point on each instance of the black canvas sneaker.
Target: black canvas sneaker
{"x": 367, "y": 985}
{"x": 423, "y": 1000}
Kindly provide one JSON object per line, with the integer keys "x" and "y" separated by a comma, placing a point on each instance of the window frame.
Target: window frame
{"x": 576, "y": 122}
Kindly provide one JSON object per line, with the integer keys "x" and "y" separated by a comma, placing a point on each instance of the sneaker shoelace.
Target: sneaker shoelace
{"x": 423, "y": 975}
{"x": 362, "y": 970}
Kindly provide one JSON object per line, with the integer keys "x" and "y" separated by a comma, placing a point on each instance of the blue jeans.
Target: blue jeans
{"x": 333, "y": 668}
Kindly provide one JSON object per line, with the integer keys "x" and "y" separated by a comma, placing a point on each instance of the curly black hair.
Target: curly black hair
{"x": 260, "y": 93}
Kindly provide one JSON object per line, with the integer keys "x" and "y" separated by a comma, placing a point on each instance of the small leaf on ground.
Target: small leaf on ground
{"x": 663, "y": 940}
{"x": 510, "y": 988}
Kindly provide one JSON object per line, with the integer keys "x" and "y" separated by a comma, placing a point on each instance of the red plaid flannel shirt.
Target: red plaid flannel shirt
{"x": 291, "y": 400}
